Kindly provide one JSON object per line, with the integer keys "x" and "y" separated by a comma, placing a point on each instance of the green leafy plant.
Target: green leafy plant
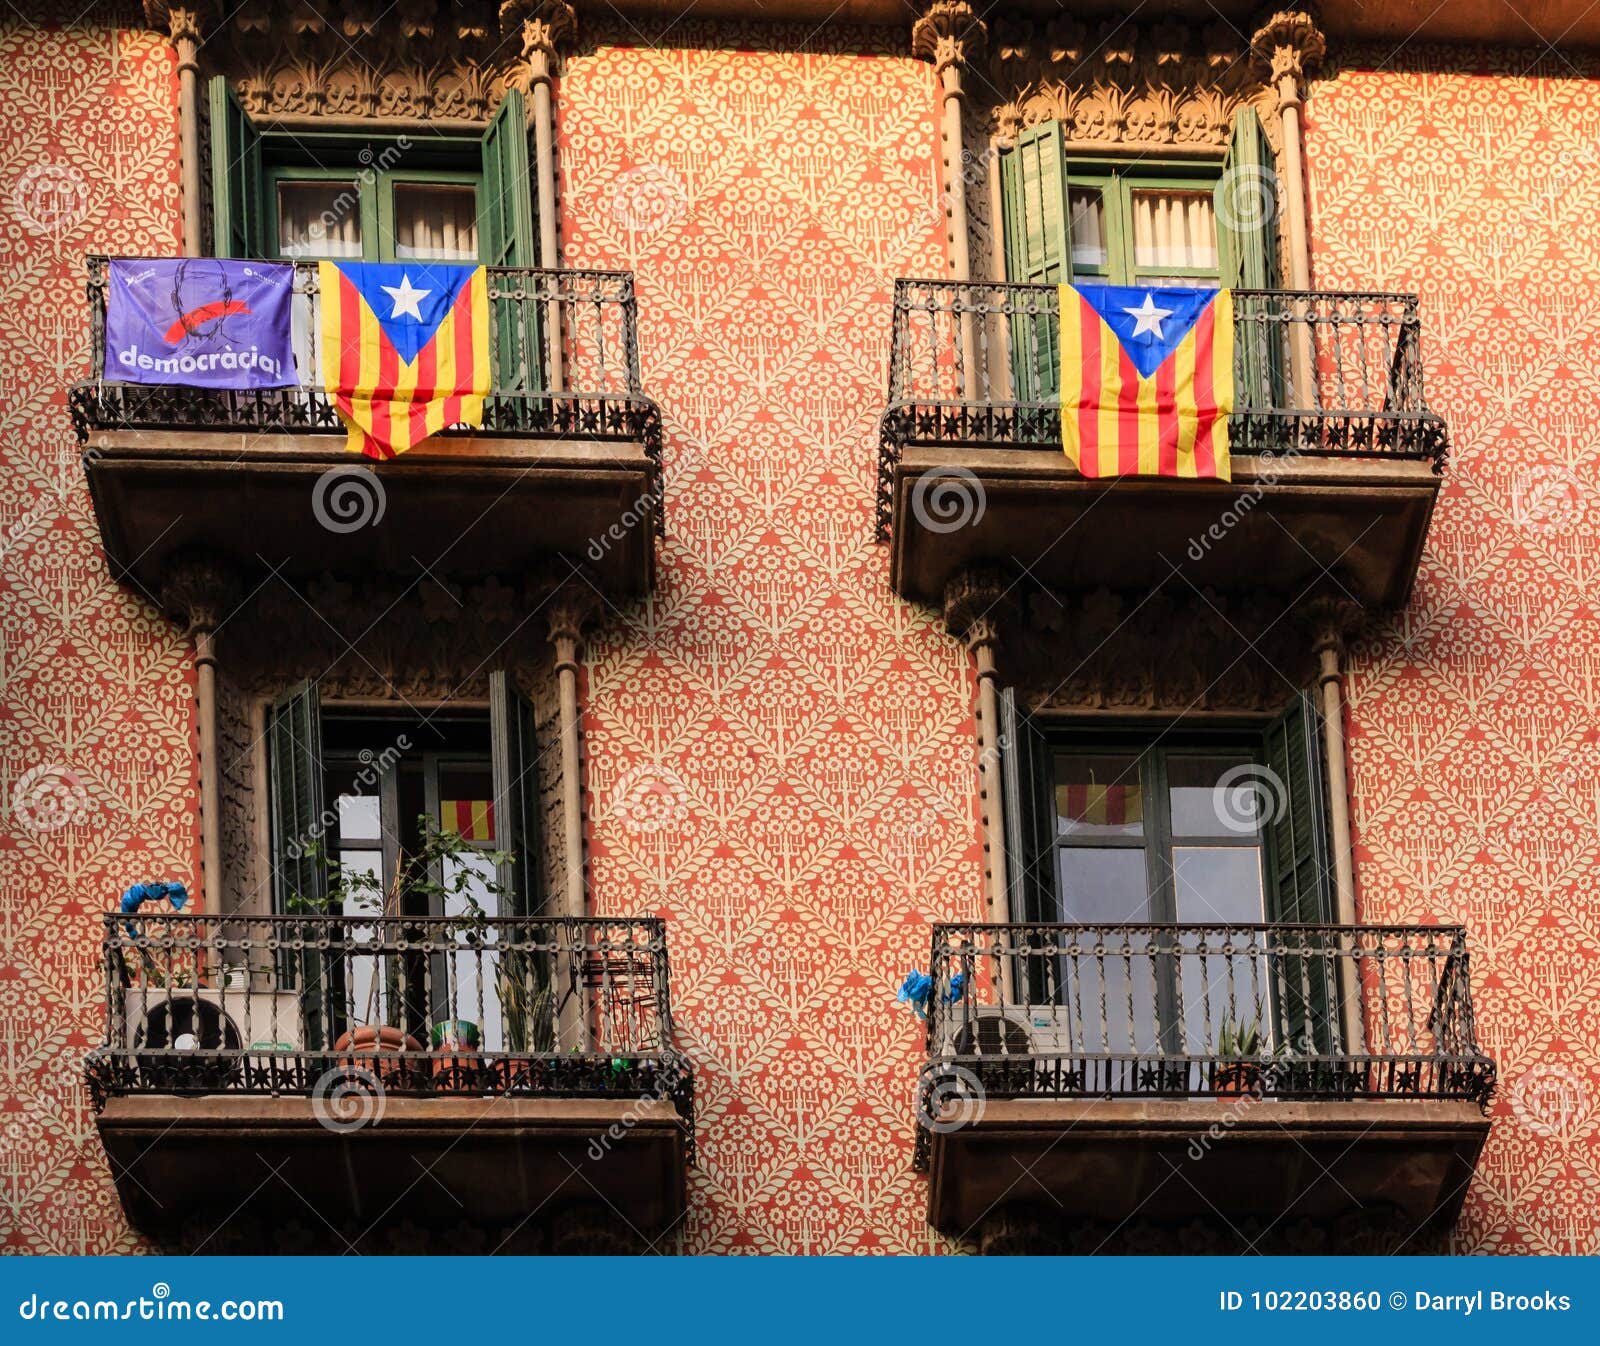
{"x": 434, "y": 877}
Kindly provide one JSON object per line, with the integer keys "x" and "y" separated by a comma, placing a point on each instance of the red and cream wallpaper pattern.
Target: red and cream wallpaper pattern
{"x": 97, "y": 769}
{"x": 1474, "y": 722}
{"x": 780, "y": 755}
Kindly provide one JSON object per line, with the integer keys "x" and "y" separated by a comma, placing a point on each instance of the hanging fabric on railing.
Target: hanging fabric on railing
{"x": 203, "y": 322}
{"x": 1146, "y": 380}
{"x": 405, "y": 350}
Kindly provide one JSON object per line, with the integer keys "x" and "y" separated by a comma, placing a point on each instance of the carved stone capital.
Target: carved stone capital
{"x": 979, "y": 605}
{"x": 1333, "y": 620}
{"x": 1289, "y": 44}
{"x": 950, "y": 33}
{"x": 547, "y": 26}
{"x": 182, "y": 23}
{"x": 200, "y": 591}
{"x": 572, "y": 608}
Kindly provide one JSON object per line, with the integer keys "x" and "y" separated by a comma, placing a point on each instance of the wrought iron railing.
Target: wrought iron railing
{"x": 563, "y": 347}
{"x": 426, "y": 1005}
{"x": 1316, "y": 373}
{"x": 1198, "y": 1011}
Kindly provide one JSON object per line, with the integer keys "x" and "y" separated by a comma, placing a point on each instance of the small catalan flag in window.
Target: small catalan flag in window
{"x": 473, "y": 819}
{"x": 1100, "y": 805}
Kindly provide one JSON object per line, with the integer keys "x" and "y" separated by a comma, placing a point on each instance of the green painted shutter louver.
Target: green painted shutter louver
{"x": 299, "y": 864}
{"x": 1033, "y": 182}
{"x": 523, "y": 975}
{"x": 507, "y": 219}
{"x": 236, "y": 185}
{"x": 1299, "y": 885}
{"x": 516, "y": 791}
{"x": 1025, "y": 791}
{"x": 1246, "y": 207}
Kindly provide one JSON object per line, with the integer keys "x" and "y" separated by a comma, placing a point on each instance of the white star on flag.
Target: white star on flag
{"x": 1148, "y": 318}
{"x": 406, "y": 299}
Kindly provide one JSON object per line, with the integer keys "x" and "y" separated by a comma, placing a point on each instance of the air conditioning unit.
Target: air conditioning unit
{"x": 212, "y": 1018}
{"x": 1015, "y": 1031}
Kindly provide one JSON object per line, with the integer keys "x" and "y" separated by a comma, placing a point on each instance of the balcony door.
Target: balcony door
{"x": 1200, "y": 835}
{"x": 1138, "y": 222}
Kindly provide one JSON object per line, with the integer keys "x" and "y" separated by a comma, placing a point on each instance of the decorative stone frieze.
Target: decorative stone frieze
{"x": 1115, "y": 85}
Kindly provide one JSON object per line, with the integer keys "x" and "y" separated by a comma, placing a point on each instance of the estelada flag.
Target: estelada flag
{"x": 1146, "y": 380}
{"x": 405, "y": 349}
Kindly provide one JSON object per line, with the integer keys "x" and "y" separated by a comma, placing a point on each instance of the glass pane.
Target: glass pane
{"x": 1174, "y": 230}
{"x": 365, "y": 985}
{"x": 436, "y": 221}
{"x": 1098, "y": 796}
{"x": 466, "y": 803}
{"x": 359, "y": 818}
{"x": 1228, "y": 797}
{"x": 1221, "y": 885}
{"x": 1110, "y": 996}
{"x": 1088, "y": 230}
{"x": 319, "y": 219}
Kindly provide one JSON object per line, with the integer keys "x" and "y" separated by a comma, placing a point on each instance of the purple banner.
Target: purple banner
{"x": 205, "y": 322}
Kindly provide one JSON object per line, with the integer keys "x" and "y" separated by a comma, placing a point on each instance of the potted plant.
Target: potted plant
{"x": 1240, "y": 1055}
{"x": 432, "y": 877}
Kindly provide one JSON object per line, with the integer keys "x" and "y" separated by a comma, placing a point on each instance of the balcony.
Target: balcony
{"x": 1336, "y": 457}
{"x": 569, "y": 454}
{"x": 522, "y": 1064}
{"x": 1183, "y": 1072}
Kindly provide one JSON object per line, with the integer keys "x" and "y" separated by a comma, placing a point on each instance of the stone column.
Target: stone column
{"x": 547, "y": 26}
{"x": 976, "y": 605}
{"x": 571, "y": 609}
{"x": 202, "y": 592}
{"x": 182, "y": 25}
{"x": 1289, "y": 45}
{"x": 1333, "y": 621}
{"x": 950, "y": 36}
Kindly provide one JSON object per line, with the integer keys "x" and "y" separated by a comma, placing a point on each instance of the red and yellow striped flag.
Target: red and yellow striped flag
{"x": 471, "y": 819}
{"x": 1146, "y": 380}
{"x": 405, "y": 350}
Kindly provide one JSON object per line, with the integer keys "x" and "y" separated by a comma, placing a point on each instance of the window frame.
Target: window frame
{"x": 375, "y": 191}
{"x": 1152, "y": 747}
{"x": 1117, "y": 180}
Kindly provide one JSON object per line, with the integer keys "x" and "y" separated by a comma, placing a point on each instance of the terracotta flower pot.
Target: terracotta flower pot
{"x": 1238, "y": 1080}
{"x": 364, "y": 1048}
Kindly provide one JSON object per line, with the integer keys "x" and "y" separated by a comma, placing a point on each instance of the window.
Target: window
{"x": 353, "y": 786}
{"x": 1127, "y": 222}
{"x": 1196, "y": 829}
{"x": 342, "y": 193}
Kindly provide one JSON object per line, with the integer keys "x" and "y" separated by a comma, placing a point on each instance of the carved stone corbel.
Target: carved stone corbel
{"x": 547, "y": 27}
{"x": 201, "y": 591}
{"x": 949, "y": 33}
{"x": 572, "y": 607}
{"x": 978, "y": 608}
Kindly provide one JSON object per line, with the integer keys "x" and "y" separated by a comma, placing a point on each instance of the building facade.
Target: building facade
{"x": 782, "y": 654}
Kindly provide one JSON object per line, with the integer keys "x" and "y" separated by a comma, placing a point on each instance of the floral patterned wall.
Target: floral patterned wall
{"x": 97, "y": 777}
{"x": 780, "y": 753}
{"x": 1474, "y": 180}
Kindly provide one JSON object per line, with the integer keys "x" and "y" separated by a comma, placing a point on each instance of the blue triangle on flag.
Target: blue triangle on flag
{"x": 409, "y": 299}
{"x": 1150, "y": 321}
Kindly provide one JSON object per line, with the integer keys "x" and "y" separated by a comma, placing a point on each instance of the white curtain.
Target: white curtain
{"x": 439, "y": 223}
{"x": 319, "y": 219}
{"x": 1174, "y": 230}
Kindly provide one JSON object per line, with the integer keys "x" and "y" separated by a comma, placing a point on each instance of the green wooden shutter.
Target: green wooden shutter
{"x": 1299, "y": 884}
{"x": 236, "y": 183}
{"x": 509, "y": 227}
{"x": 299, "y": 864}
{"x": 516, "y": 793}
{"x": 1033, "y": 183}
{"x": 1247, "y": 245}
{"x": 524, "y": 970}
{"x": 1025, "y": 792}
